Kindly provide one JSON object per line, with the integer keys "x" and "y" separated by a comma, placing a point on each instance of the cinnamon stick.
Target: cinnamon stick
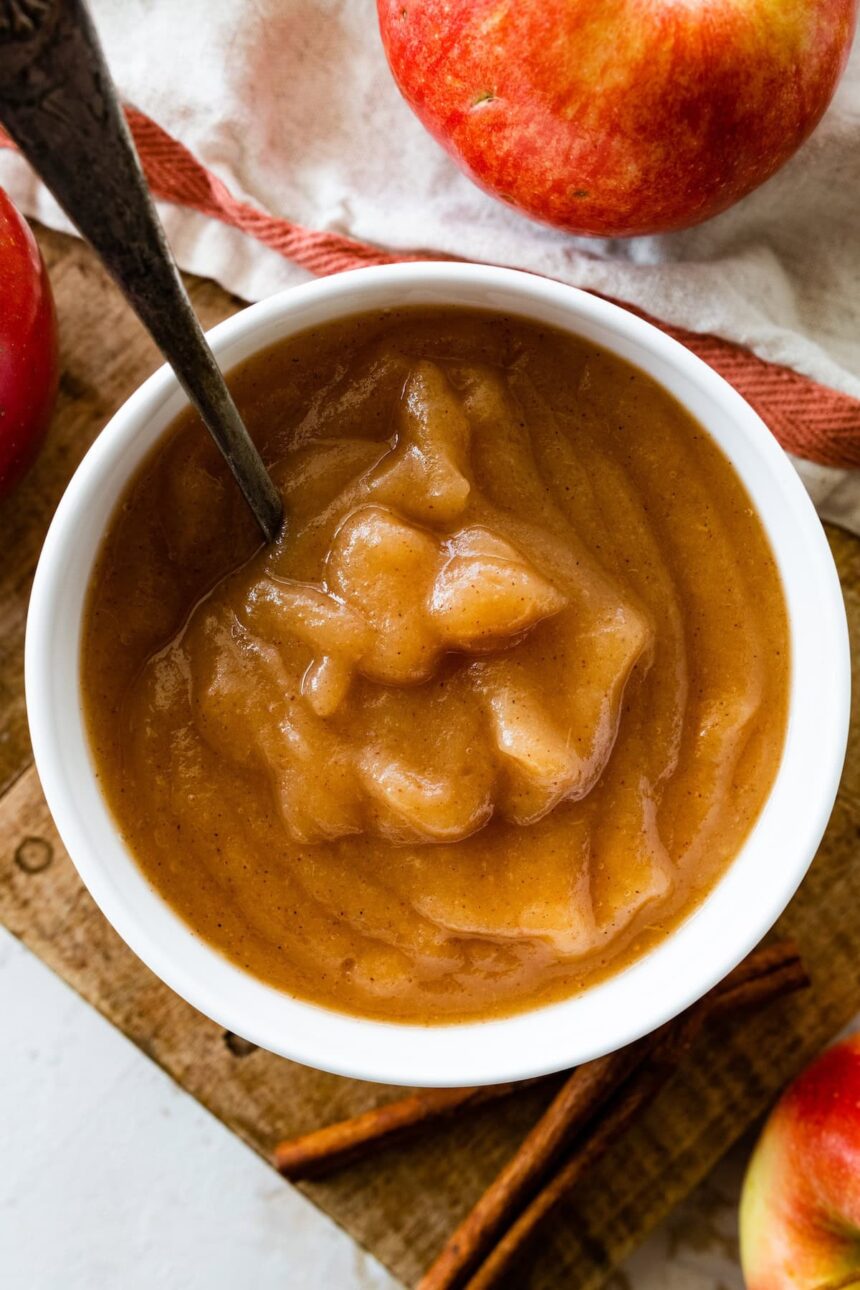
{"x": 762, "y": 977}
{"x": 572, "y": 1107}
{"x": 635, "y": 1096}
{"x": 316, "y": 1153}
{"x": 756, "y": 991}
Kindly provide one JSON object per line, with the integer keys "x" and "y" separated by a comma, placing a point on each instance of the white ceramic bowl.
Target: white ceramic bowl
{"x": 734, "y": 917}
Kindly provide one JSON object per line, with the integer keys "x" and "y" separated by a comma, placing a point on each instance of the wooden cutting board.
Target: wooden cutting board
{"x": 401, "y": 1204}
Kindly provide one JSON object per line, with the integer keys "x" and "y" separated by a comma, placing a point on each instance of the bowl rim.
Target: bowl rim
{"x": 729, "y": 922}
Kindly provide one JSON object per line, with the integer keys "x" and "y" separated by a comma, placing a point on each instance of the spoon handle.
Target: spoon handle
{"x": 59, "y": 104}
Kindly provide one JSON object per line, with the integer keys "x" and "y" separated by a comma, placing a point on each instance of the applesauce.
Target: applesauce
{"x": 495, "y": 711}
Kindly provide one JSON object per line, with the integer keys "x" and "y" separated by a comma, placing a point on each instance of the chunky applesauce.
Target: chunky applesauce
{"x": 493, "y": 714}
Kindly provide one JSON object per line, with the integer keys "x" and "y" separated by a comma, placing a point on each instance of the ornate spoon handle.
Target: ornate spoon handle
{"x": 59, "y": 104}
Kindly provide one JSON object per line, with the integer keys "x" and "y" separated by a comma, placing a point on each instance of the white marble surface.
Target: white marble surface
{"x": 112, "y": 1178}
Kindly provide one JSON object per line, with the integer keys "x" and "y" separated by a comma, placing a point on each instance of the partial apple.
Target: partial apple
{"x": 616, "y": 117}
{"x": 800, "y": 1209}
{"x": 28, "y": 347}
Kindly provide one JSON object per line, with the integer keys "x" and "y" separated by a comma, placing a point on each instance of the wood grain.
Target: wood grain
{"x": 403, "y": 1202}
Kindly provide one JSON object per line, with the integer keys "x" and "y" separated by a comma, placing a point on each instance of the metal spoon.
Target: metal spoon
{"x": 59, "y": 104}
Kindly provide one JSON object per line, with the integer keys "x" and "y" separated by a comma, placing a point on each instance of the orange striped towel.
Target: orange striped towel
{"x": 810, "y": 420}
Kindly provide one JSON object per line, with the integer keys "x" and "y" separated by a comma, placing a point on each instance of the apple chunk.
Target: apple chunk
{"x": 486, "y": 593}
{"x": 382, "y": 567}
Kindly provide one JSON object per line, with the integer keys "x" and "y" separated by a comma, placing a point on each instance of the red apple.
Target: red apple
{"x": 800, "y": 1209}
{"x": 28, "y": 347}
{"x": 615, "y": 117}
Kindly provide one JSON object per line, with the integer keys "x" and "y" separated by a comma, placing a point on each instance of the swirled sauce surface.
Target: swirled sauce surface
{"x": 492, "y": 715}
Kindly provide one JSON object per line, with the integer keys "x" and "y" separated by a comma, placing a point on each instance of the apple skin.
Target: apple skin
{"x": 618, "y": 117}
{"x": 29, "y": 366}
{"x": 800, "y": 1208}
